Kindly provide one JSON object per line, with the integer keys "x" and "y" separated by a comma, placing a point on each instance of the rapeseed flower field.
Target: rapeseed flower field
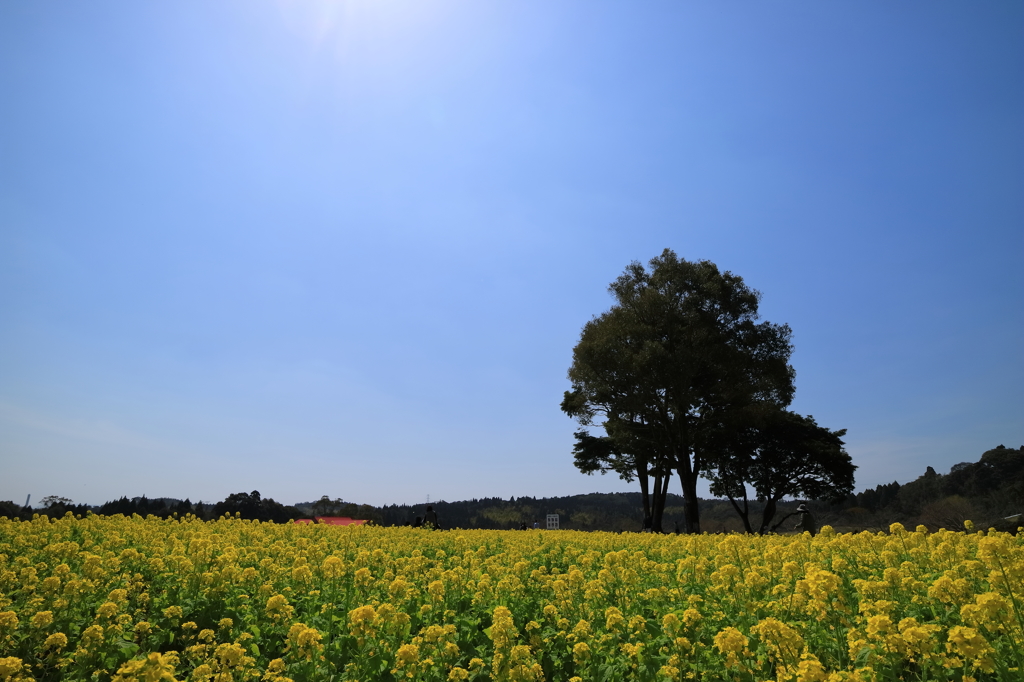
{"x": 151, "y": 600}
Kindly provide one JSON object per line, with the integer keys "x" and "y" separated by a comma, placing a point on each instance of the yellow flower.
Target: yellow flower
{"x": 669, "y": 671}
{"x": 232, "y": 656}
{"x": 810, "y": 669}
{"x": 57, "y": 640}
{"x": 42, "y": 619}
{"x": 503, "y": 630}
{"x": 948, "y": 590}
{"x": 631, "y": 650}
{"x": 8, "y": 621}
{"x": 362, "y": 614}
{"x": 275, "y": 672}
{"x": 11, "y": 670}
{"x": 333, "y": 567}
{"x": 154, "y": 668}
{"x": 879, "y": 625}
{"x": 613, "y": 618}
{"x": 107, "y": 610}
{"x": 784, "y": 642}
{"x": 670, "y": 624}
{"x": 731, "y": 642}
{"x": 969, "y": 643}
{"x": 278, "y": 607}
{"x": 408, "y": 654}
{"x": 92, "y": 636}
{"x": 305, "y": 640}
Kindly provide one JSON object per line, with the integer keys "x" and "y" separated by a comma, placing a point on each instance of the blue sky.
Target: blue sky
{"x": 346, "y": 248}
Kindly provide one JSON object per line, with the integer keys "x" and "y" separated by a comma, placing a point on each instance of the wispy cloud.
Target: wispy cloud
{"x": 94, "y": 431}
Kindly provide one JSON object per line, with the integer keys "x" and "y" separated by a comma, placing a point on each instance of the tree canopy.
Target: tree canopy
{"x": 679, "y": 352}
{"x": 254, "y": 506}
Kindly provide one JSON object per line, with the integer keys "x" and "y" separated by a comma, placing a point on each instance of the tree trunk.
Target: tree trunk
{"x": 688, "y": 481}
{"x": 655, "y": 503}
{"x": 745, "y": 512}
{"x": 768, "y": 514}
{"x": 688, "y": 473}
{"x": 641, "y": 473}
{"x": 658, "y": 501}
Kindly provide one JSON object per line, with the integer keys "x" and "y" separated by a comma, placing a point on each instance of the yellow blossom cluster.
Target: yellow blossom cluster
{"x": 116, "y": 599}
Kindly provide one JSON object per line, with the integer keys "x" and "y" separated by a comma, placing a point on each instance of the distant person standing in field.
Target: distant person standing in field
{"x": 430, "y": 518}
{"x": 807, "y": 522}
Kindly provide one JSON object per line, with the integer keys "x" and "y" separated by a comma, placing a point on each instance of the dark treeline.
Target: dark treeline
{"x": 246, "y": 505}
{"x": 613, "y": 512}
{"x": 989, "y": 492}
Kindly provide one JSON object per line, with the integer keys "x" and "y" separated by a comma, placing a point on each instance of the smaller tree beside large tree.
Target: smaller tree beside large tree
{"x": 779, "y": 454}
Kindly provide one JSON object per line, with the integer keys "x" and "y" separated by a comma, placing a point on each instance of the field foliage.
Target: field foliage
{"x": 116, "y": 598}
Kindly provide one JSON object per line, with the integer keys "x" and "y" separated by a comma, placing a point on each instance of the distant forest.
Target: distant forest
{"x": 989, "y": 492}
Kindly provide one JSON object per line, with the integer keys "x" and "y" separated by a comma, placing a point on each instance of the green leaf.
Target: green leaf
{"x": 128, "y": 648}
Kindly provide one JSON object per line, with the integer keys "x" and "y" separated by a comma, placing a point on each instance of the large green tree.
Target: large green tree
{"x": 680, "y": 351}
{"x": 779, "y": 454}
